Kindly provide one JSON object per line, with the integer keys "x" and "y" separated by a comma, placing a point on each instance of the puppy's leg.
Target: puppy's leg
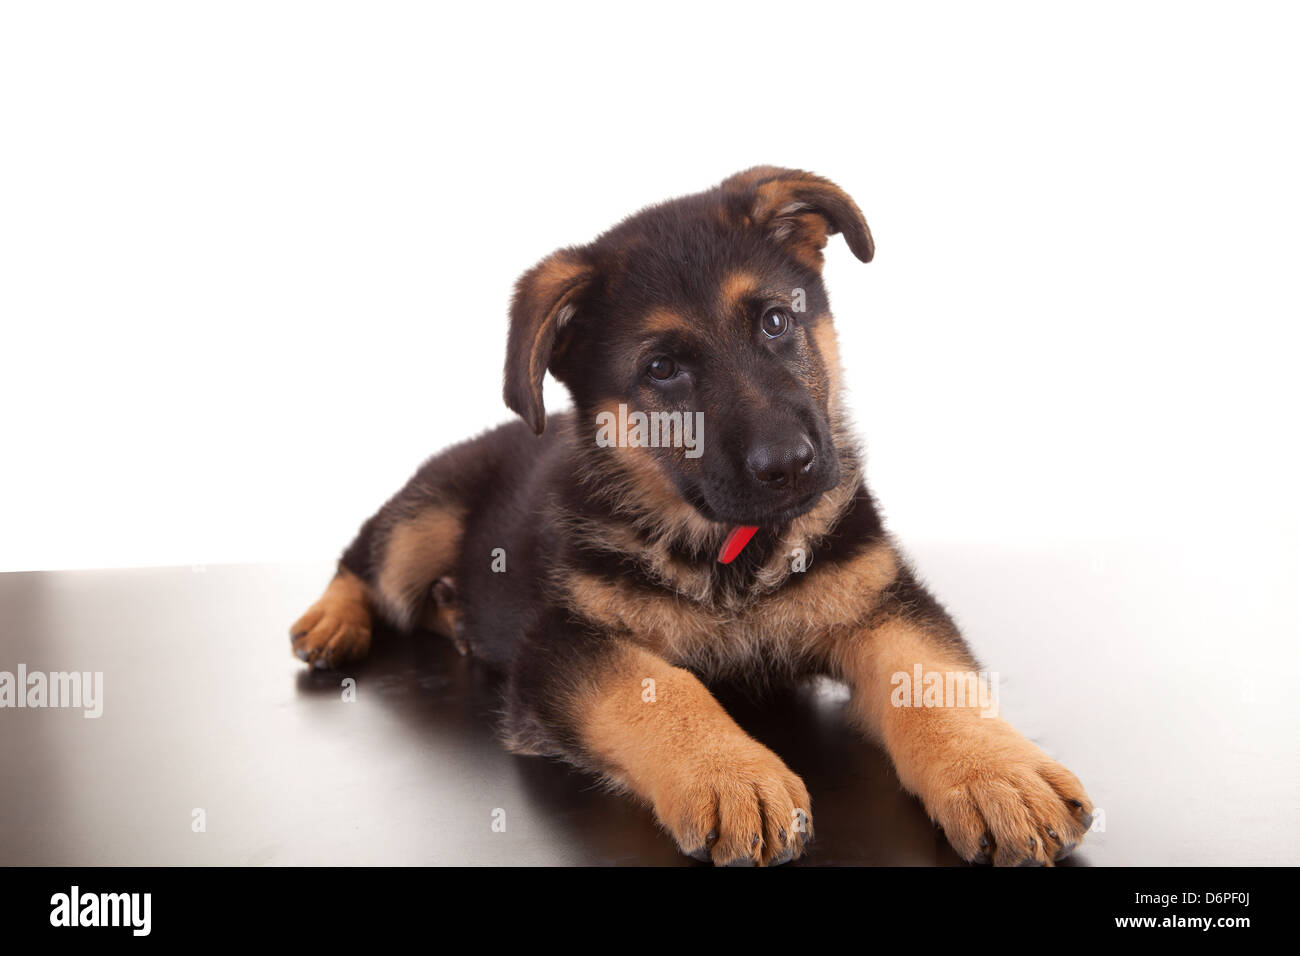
{"x": 654, "y": 729}
{"x": 337, "y": 627}
{"x": 997, "y": 796}
{"x": 390, "y": 570}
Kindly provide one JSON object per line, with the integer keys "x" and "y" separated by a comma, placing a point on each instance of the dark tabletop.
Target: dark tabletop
{"x": 205, "y": 709}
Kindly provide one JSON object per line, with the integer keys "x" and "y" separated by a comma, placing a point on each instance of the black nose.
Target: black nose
{"x": 781, "y": 464}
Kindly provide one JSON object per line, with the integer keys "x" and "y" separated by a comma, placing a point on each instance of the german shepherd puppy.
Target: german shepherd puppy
{"x": 610, "y": 576}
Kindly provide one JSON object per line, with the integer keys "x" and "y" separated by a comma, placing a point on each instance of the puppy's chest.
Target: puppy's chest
{"x": 693, "y": 620}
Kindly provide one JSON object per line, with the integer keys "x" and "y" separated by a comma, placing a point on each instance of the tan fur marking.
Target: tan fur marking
{"x": 659, "y": 495}
{"x": 555, "y": 281}
{"x": 774, "y": 197}
{"x": 837, "y": 596}
{"x": 827, "y": 343}
{"x": 806, "y": 237}
{"x": 619, "y": 538}
{"x": 420, "y": 550}
{"x": 335, "y": 629}
{"x": 734, "y": 289}
{"x": 672, "y": 744}
{"x": 791, "y": 220}
{"x": 647, "y": 495}
{"x": 654, "y": 620}
{"x": 660, "y": 321}
{"x": 977, "y": 776}
{"x": 556, "y": 273}
{"x": 783, "y": 627}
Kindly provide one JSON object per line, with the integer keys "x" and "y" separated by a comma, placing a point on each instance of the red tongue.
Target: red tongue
{"x": 736, "y": 542}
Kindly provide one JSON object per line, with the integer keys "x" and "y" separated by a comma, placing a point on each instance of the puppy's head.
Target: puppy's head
{"x": 696, "y": 340}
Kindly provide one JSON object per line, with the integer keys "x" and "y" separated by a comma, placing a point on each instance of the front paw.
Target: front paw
{"x": 336, "y": 629}
{"x": 740, "y": 807}
{"x": 1000, "y": 799}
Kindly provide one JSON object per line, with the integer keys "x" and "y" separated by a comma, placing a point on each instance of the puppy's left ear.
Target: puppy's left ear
{"x": 545, "y": 299}
{"x": 798, "y": 211}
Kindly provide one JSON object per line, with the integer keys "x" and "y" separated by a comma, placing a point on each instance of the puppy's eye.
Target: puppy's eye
{"x": 774, "y": 323}
{"x": 662, "y": 369}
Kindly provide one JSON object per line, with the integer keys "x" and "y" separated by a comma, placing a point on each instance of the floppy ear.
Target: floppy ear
{"x": 545, "y": 300}
{"x": 798, "y": 211}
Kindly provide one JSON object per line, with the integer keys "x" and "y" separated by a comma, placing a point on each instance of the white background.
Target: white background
{"x": 255, "y": 258}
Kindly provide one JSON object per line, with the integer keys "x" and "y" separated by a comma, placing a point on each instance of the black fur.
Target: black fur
{"x": 525, "y": 486}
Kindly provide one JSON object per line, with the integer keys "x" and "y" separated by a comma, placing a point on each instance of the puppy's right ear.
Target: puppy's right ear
{"x": 545, "y": 299}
